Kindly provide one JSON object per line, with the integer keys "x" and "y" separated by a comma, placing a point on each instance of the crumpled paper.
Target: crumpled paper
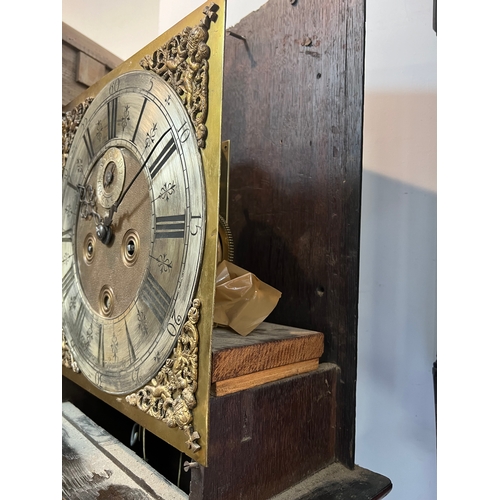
{"x": 242, "y": 301}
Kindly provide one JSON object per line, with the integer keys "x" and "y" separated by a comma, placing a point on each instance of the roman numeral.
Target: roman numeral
{"x": 130, "y": 345}
{"x": 79, "y": 319}
{"x": 139, "y": 119}
{"x": 156, "y": 298}
{"x": 170, "y": 226}
{"x": 67, "y": 282}
{"x": 112, "y": 109}
{"x": 100, "y": 351}
{"x": 88, "y": 143}
{"x": 67, "y": 235}
{"x": 163, "y": 157}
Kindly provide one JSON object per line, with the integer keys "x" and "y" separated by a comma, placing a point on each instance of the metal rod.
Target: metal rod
{"x": 232, "y": 33}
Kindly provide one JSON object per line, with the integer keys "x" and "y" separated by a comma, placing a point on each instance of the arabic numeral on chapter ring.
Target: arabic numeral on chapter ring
{"x": 174, "y": 323}
{"x": 195, "y": 224}
{"x": 177, "y": 319}
{"x": 171, "y": 329}
{"x": 184, "y": 132}
{"x": 114, "y": 87}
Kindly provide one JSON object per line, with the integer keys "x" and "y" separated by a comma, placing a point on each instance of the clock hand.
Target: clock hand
{"x": 87, "y": 202}
{"x": 103, "y": 230}
{"x": 87, "y": 210}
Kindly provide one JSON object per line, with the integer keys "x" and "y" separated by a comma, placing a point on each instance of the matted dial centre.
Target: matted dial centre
{"x": 120, "y": 266}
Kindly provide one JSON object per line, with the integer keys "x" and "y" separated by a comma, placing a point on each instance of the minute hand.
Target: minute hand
{"x": 114, "y": 208}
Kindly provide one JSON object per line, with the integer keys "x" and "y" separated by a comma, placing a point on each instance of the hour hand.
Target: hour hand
{"x": 87, "y": 209}
{"x": 104, "y": 230}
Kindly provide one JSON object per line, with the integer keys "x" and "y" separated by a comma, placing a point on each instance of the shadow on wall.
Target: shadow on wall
{"x": 397, "y": 334}
{"x": 397, "y": 300}
{"x": 395, "y": 419}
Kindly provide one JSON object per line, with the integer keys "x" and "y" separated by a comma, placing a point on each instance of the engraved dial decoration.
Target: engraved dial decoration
{"x": 133, "y": 230}
{"x": 110, "y": 177}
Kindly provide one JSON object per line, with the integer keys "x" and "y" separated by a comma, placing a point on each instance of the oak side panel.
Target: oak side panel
{"x": 267, "y": 438}
{"x": 293, "y": 101}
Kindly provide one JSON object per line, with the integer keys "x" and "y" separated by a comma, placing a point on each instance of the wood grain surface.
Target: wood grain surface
{"x": 293, "y": 109}
{"x": 97, "y": 465}
{"x": 268, "y": 346}
{"x": 89, "y": 71}
{"x": 267, "y": 438}
{"x": 236, "y": 384}
{"x": 70, "y": 87}
{"x": 336, "y": 482}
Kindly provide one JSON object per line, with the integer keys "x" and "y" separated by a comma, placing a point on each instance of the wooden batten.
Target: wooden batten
{"x": 271, "y": 352}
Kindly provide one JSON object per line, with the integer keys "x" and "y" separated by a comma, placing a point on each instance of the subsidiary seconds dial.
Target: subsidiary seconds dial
{"x": 135, "y": 171}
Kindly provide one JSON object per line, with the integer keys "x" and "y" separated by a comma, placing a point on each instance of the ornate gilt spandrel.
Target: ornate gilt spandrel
{"x": 70, "y": 122}
{"x": 68, "y": 359}
{"x": 171, "y": 395}
{"x": 183, "y": 63}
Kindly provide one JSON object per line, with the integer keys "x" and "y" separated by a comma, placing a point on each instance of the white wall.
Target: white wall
{"x": 396, "y": 429}
{"x": 121, "y": 26}
{"x": 172, "y": 11}
{"x": 397, "y": 310}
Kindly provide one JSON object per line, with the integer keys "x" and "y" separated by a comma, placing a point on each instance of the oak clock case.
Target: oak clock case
{"x": 140, "y": 221}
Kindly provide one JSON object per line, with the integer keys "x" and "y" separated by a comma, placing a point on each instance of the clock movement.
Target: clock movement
{"x": 141, "y": 170}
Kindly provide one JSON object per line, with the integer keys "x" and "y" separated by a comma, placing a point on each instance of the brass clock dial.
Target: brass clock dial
{"x": 141, "y": 235}
{"x": 134, "y": 172}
